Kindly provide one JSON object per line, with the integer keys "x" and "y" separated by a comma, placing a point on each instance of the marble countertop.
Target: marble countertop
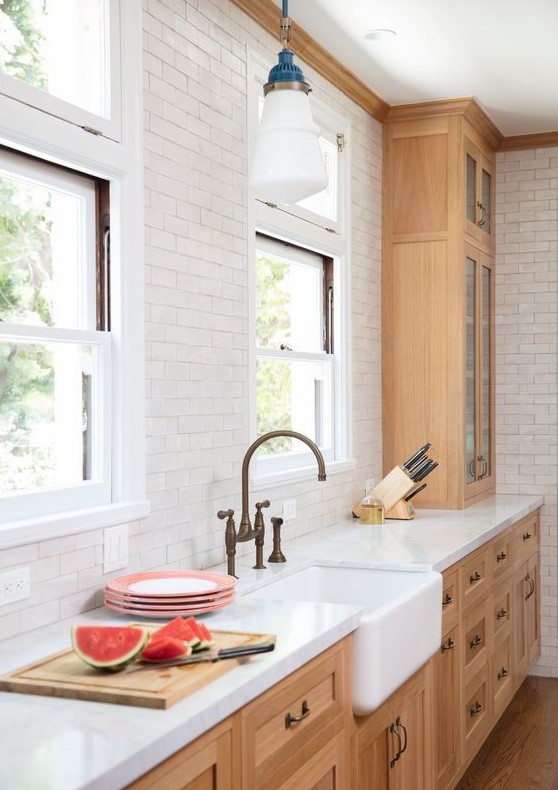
{"x": 48, "y": 743}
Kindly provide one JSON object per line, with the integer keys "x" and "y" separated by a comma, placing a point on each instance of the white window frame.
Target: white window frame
{"x": 111, "y": 127}
{"x": 303, "y": 228}
{"x": 29, "y": 130}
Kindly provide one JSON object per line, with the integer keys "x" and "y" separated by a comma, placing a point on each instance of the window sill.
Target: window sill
{"x": 19, "y": 533}
{"x": 297, "y": 475}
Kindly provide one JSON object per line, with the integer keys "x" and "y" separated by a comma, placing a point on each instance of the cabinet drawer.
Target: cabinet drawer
{"x": 502, "y": 612}
{"x": 450, "y": 601}
{"x": 475, "y": 713}
{"x": 298, "y": 716}
{"x": 501, "y": 677}
{"x": 502, "y": 556}
{"x": 526, "y": 537}
{"x": 476, "y": 634}
{"x": 475, "y": 578}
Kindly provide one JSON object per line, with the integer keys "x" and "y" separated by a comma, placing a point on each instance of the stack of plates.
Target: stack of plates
{"x": 170, "y": 593}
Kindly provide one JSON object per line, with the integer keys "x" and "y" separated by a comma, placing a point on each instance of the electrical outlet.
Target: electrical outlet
{"x": 15, "y": 585}
{"x": 115, "y": 548}
{"x": 289, "y": 509}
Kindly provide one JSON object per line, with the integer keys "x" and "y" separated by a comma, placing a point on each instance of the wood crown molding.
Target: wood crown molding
{"x": 538, "y": 140}
{"x": 268, "y": 15}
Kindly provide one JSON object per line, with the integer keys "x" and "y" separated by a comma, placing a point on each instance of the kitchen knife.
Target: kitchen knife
{"x": 413, "y": 474}
{"x": 416, "y": 456}
{"x": 414, "y": 492}
{"x": 210, "y": 655}
{"x": 426, "y": 471}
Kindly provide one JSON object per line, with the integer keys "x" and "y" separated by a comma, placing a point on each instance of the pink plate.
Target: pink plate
{"x": 167, "y": 607}
{"x": 167, "y": 584}
{"x": 151, "y": 600}
{"x": 159, "y": 614}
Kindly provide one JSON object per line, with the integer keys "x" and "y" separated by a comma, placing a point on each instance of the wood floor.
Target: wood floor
{"x": 521, "y": 753}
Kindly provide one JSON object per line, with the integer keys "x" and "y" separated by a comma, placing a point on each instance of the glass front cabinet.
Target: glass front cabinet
{"x": 478, "y": 194}
{"x": 479, "y": 384}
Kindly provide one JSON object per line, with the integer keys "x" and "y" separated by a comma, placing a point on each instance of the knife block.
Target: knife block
{"x": 403, "y": 511}
{"x": 391, "y": 490}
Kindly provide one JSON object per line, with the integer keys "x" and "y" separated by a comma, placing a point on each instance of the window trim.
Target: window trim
{"x": 111, "y": 127}
{"x": 31, "y": 131}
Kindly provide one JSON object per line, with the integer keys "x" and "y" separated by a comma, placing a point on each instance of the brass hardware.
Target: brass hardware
{"x": 472, "y": 469}
{"x": 475, "y": 577}
{"x": 531, "y": 586}
{"x": 394, "y": 730}
{"x": 259, "y": 529}
{"x": 276, "y": 555}
{"x": 304, "y": 713}
{"x": 398, "y": 724}
{"x": 501, "y": 556}
{"x": 503, "y": 673}
{"x": 449, "y": 645}
{"x": 484, "y": 215}
{"x": 447, "y": 599}
{"x": 475, "y": 642}
{"x": 484, "y": 468}
{"x": 477, "y": 707}
{"x": 245, "y": 530}
{"x": 527, "y": 535}
{"x": 501, "y": 613}
{"x": 230, "y": 539}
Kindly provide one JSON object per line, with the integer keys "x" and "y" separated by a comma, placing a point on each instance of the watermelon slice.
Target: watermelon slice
{"x": 203, "y": 633}
{"x": 108, "y": 647}
{"x": 165, "y": 648}
{"x": 178, "y": 629}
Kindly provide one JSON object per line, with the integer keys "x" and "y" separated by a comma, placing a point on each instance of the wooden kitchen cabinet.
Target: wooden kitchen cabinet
{"x": 447, "y": 690}
{"x": 205, "y": 764}
{"x": 526, "y": 630}
{"x": 293, "y": 735}
{"x": 437, "y": 297}
{"x": 392, "y": 748}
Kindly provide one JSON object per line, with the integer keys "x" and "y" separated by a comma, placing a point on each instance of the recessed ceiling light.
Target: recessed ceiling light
{"x": 380, "y": 34}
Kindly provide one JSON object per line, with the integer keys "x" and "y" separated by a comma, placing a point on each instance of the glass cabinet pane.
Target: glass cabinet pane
{"x": 485, "y": 201}
{"x": 471, "y": 188}
{"x": 470, "y": 351}
{"x": 485, "y": 382}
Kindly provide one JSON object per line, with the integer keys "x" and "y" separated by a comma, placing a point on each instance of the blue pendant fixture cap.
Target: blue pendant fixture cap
{"x": 286, "y": 70}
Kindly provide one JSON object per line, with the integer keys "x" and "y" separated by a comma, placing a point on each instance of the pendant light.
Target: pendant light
{"x": 287, "y": 163}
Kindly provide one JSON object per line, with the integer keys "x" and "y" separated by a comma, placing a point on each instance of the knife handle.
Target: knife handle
{"x": 246, "y": 650}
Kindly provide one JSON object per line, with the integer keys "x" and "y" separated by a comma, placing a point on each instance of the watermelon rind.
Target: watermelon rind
{"x": 108, "y": 648}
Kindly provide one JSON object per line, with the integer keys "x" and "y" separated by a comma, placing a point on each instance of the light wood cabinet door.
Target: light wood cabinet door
{"x": 303, "y": 715}
{"x": 447, "y": 686}
{"x": 205, "y": 764}
{"x": 325, "y": 770}
{"x": 479, "y": 194}
{"x": 526, "y": 623}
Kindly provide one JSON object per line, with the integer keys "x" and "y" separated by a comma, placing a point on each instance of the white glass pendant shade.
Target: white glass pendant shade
{"x": 287, "y": 165}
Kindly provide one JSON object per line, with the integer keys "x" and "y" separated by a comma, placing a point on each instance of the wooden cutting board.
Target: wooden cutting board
{"x": 65, "y": 675}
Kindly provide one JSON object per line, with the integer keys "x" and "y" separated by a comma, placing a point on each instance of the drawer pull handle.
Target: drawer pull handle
{"x": 475, "y": 577}
{"x": 476, "y": 709}
{"x": 475, "y": 642}
{"x": 501, "y": 613}
{"x": 398, "y": 724}
{"x": 290, "y": 719}
{"x": 503, "y": 673}
{"x": 449, "y": 645}
{"x": 394, "y": 730}
{"x": 447, "y": 599}
{"x": 501, "y": 556}
{"x": 531, "y": 587}
{"x": 527, "y": 535}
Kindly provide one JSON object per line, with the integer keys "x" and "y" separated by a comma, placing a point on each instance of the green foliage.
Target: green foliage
{"x": 273, "y": 377}
{"x": 22, "y": 40}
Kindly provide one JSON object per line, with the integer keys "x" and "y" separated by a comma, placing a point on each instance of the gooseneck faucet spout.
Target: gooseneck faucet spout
{"x": 245, "y": 531}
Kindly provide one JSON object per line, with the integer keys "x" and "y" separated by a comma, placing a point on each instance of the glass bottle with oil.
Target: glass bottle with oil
{"x": 372, "y": 507}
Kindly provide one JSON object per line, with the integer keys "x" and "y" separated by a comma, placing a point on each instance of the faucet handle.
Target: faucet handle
{"x": 265, "y": 503}
{"x": 230, "y": 539}
{"x": 225, "y": 514}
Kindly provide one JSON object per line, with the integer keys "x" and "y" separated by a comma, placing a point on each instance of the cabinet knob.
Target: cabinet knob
{"x": 449, "y": 645}
{"x": 447, "y": 599}
{"x": 503, "y": 673}
{"x": 501, "y": 556}
{"x": 476, "y": 709}
{"x": 475, "y": 577}
{"x": 475, "y": 642}
{"x": 527, "y": 536}
{"x": 304, "y": 713}
{"x": 501, "y": 613}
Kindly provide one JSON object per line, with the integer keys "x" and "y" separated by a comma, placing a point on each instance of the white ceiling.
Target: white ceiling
{"x": 503, "y": 52}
